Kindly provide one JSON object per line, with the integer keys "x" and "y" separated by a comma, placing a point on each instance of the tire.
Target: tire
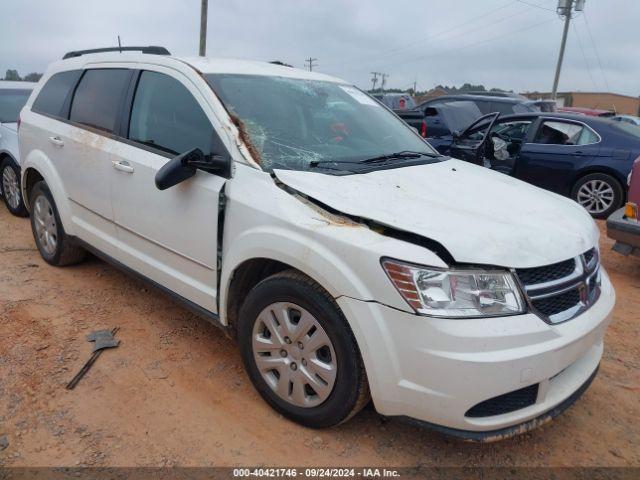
{"x": 54, "y": 245}
{"x": 10, "y": 185}
{"x": 292, "y": 296}
{"x": 600, "y": 194}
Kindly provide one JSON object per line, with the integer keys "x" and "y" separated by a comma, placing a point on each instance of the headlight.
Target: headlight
{"x": 455, "y": 293}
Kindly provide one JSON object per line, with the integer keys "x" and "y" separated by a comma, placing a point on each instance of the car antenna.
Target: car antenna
{"x": 119, "y": 44}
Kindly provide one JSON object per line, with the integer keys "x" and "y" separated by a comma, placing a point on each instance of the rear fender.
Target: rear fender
{"x": 38, "y": 161}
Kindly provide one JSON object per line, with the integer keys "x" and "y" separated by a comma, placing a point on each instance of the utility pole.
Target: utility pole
{"x": 374, "y": 80}
{"x": 384, "y": 80}
{"x": 310, "y": 62}
{"x": 203, "y": 27}
{"x": 565, "y": 9}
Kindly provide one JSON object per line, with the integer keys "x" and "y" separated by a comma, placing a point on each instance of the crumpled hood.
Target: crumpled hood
{"x": 478, "y": 215}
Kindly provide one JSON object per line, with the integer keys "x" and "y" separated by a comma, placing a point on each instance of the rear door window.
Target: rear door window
{"x": 98, "y": 97}
{"x": 54, "y": 93}
{"x": 166, "y": 116}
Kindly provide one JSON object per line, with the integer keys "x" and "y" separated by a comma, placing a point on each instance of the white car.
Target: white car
{"x": 13, "y": 96}
{"x": 632, "y": 119}
{"x": 347, "y": 258}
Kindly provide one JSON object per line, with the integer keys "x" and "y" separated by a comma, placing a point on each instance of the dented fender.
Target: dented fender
{"x": 265, "y": 221}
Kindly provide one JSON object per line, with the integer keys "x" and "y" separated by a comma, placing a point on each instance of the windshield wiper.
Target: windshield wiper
{"x": 400, "y": 155}
{"x": 405, "y": 154}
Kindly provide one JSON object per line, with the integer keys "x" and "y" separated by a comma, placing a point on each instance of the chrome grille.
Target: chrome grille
{"x": 563, "y": 290}
{"x": 532, "y": 276}
{"x": 558, "y": 303}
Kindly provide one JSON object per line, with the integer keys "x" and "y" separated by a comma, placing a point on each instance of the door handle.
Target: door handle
{"x": 57, "y": 141}
{"x": 123, "y": 166}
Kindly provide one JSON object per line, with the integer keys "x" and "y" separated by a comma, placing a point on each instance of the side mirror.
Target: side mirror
{"x": 456, "y": 134}
{"x": 184, "y": 166}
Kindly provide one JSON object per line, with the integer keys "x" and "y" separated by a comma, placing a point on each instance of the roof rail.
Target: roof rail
{"x": 153, "y": 50}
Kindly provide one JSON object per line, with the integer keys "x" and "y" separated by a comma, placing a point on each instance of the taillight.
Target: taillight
{"x": 423, "y": 130}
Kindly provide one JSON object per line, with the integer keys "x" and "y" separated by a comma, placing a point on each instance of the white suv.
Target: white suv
{"x": 348, "y": 259}
{"x": 13, "y": 96}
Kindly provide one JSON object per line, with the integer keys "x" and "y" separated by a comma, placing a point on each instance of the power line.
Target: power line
{"x": 586, "y": 22}
{"x": 482, "y": 42}
{"x": 411, "y": 44}
{"x": 536, "y": 6}
{"x": 584, "y": 56}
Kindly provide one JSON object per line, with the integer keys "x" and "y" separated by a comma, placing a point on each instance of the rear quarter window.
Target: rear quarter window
{"x": 55, "y": 92}
{"x": 484, "y": 106}
{"x": 97, "y": 99}
{"x": 628, "y": 128}
{"x": 504, "y": 108}
{"x": 11, "y": 102}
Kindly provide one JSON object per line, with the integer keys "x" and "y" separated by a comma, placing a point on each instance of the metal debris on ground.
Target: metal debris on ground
{"x": 102, "y": 339}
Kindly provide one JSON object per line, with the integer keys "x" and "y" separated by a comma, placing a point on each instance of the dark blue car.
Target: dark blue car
{"x": 585, "y": 158}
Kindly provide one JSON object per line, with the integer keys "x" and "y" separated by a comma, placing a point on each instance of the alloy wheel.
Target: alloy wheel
{"x": 10, "y": 187}
{"x": 596, "y": 196}
{"x": 45, "y": 225}
{"x": 294, "y": 354}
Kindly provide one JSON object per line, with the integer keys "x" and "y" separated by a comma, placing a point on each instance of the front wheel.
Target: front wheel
{"x": 600, "y": 194}
{"x": 300, "y": 352}
{"x": 10, "y": 176}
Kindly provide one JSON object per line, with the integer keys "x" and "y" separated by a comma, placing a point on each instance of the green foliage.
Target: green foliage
{"x": 467, "y": 87}
{"x": 32, "y": 77}
{"x": 12, "y": 75}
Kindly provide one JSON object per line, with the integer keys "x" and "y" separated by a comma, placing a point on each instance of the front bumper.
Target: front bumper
{"x": 434, "y": 370}
{"x": 626, "y": 232}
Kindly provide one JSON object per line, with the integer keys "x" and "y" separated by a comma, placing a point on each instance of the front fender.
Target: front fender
{"x": 344, "y": 260}
{"x": 264, "y": 221}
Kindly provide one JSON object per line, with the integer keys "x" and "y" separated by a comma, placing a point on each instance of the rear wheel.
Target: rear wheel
{"x": 300, "y": 352}
{"x": 600, "y": 194}
{"x": 10, "y": 181}
{"x": 54, "y": 245}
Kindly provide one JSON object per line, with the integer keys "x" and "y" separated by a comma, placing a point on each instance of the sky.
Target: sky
{"x": 509, "y": 44}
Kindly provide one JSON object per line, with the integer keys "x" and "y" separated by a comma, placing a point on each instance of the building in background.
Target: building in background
{"x": 433, "y": 93}
{"x": 596, "y": 100}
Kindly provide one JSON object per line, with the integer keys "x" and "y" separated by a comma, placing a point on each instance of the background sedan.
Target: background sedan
{"x": 585, "y": 158}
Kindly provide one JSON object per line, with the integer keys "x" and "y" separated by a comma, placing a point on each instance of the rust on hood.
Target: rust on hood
{"x": 244, "y": 137}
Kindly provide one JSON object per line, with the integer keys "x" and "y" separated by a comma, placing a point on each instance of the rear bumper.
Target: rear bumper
{"x": 624, "y": 231}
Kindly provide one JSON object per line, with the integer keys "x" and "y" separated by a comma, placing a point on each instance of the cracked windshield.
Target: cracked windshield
{"x": 305, "y": 124}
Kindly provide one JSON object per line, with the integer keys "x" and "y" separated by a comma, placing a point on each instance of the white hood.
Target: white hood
{"x": 478, "y": 215}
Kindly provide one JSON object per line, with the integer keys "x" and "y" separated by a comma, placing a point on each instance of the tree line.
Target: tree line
{"x": 467, "y": 87}
{"x": 14, "y": 76}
